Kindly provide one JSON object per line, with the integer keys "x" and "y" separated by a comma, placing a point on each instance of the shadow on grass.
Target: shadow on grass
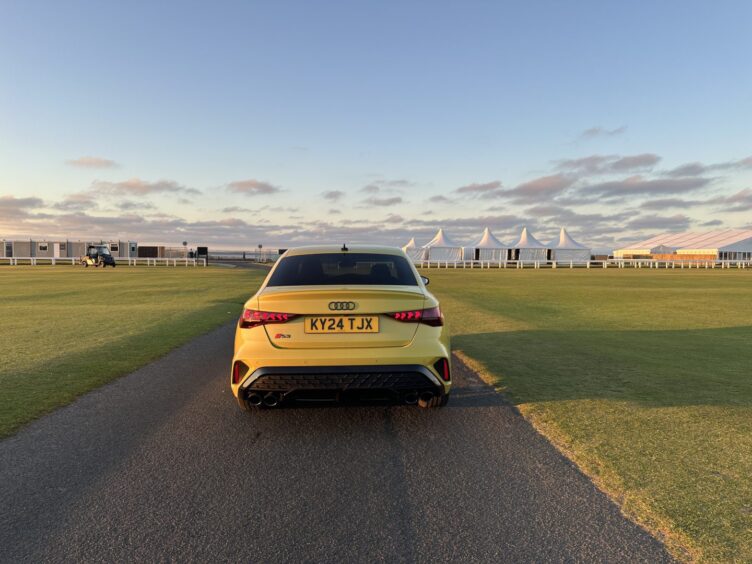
{"x": 653, "y": 368}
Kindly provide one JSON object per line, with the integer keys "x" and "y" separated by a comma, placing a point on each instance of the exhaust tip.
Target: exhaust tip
{"x": 255, "y": 399}
{"x": 271, "y": 400}
{"x": 410, "y": 398}
{"x": 425, "y": 399}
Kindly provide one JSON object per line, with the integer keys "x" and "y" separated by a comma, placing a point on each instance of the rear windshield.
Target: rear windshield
{"x": 343, "y": 268}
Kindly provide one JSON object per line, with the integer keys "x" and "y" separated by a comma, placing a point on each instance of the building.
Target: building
{"x": 442, "y": 248}
{"x": 488, "y": 247}
{"x": 566, "y": 249}
{"x": 721, "y": 244}
{"x": 528, "y": 249}
{"x": 26, "y": 248}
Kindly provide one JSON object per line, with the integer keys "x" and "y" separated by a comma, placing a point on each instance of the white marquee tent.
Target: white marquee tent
{"x": 488, "y": 247}
{"x": 566, "y": 249}
{"x": 442, "y": 247}
{"x": 412, "y": 250}
{"x": 529, "y": 249}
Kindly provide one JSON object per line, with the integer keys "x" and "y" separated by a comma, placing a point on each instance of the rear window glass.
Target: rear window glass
{"x": 343, "y": 268}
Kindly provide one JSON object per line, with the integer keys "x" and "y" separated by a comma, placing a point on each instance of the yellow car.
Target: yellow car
{"x": 338, "y": 324}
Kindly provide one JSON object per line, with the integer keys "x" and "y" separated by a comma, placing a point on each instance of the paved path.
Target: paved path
{"x": 162, "y": 465}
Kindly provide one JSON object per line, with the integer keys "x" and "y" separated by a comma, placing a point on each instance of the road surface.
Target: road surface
{"x": 162, "y": 465}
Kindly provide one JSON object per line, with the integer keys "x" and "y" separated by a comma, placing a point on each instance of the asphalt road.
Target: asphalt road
{"x": 162, "y": 465}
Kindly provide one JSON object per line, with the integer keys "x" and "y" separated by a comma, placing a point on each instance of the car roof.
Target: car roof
{"x": 319, "y": 249}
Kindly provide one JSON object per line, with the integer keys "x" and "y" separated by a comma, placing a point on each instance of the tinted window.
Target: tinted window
{"x": 343, "y": 268}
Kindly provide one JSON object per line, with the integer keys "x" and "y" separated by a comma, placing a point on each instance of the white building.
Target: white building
{"x": 413, "y": 252}
{"x": 529, "y": 249}
{"x": 721, "y": 244}
{"x": 488, "y": 247}
{"x": 566, "y": 249}
{"x": 442, "y": 248}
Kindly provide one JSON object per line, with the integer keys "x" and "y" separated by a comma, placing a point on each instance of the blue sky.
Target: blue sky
{"x": 234, "y": 124}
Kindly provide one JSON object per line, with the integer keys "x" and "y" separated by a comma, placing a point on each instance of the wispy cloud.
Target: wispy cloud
{"x": 92, "y": 162}
{"x": 698, "y": 169}
{"x": 604, "y": 164}
{"x": 671, "y": 223}
{"x": 739, "y": 202}
{"x": 485, "y": 190}
{"x": 333, "y": 195}
{"x": 599, "y": 131}
{"x": 382, "y": 202}
{"x": 638, "y": 185}
{"x": 252, "y": 187}
{"x": 139, "y": 187}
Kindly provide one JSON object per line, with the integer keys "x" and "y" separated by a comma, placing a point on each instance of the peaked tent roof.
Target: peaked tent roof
{"x": 527, "y": 241}
{"x": 441, "y": 240}
{"x": 410, "y": 244}
{"x": 565, "y": 242}
{"x": 488, "y": 241}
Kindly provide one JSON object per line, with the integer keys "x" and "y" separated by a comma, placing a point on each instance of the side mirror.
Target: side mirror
{"x": 425, "y": 280}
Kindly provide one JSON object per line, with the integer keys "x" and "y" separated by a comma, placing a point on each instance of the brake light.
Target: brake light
{"x": 254, "y": 318}
{"x": 431, "y": 316}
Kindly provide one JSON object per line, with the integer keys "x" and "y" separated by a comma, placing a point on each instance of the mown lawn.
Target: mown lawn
{"x": 643, "y": 378}
{"x": 66, "y": 331}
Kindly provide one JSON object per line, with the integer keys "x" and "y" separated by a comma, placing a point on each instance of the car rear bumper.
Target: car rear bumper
{"x": 388, "y": 382}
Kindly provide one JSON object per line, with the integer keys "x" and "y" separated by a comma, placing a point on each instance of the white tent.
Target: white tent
{"x": 488, "y": 247}
{"x": 413, "y": 252}
{"x": 529, "y": 249}
{"x": 566, "y": 249}
{"x": 442, "y": 247}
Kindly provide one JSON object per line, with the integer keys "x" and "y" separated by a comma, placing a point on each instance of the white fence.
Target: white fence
{"x": 34, "y": 261}
{"x": 610, "y": 263}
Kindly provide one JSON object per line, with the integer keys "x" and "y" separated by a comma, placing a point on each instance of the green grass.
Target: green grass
{"x": 644, "y": 379}
{"x": 66, "y": 331}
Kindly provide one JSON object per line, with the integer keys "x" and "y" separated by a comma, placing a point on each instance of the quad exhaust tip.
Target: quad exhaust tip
{"x": 255, "y": 399}
{"x": 410, "y": 398}
{"x": 271, "y": 400}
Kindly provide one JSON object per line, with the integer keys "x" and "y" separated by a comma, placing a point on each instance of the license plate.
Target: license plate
{"x": 342, "y": 324}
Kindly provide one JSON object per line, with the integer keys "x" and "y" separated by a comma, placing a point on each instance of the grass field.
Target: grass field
{"x": 644, "y": 379}
{"x": 66, "y": 331}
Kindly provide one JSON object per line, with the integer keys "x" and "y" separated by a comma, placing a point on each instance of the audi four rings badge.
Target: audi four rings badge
{"x": 342, "y": 306}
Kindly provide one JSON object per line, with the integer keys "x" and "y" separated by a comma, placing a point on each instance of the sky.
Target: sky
{"x": 234, "y": 124}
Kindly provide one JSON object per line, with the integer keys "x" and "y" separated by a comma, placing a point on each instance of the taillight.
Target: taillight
{"x": 254, "y": 318}
{"x": 442, "y": 367}
{"x": 431, "y": 316}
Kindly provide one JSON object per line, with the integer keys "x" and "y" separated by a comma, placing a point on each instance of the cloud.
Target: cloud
{"x": 538, "y": 189}
{"x": 739, "y": 202}
{"x": 712, "y": 223}
{"x": 642, "y": 161}
{"x": 92, "y": 162}
{"x": 638, "y": 185}
{"x": 371, "y": 189}
{"x": 598, "y": 131}
{"x": 12, "y": 208}
{"x": 128, "y": 205}
{"x": 333, "y": 195}
{"x": 672, "y": 223}
{"x": 139, "y": 187}
{"x": 439, "y": 199}
{"x": 698, "y": 168}
{"x": 334, "y": 211}
{"x": 374, "y": 201}
{"x": 235, "y": 209}
{"x": 485, "y": 190}
{"x": 77, "y": 202}
{"x": 252, "y": 187}
{"x": 665, "y": 203}
{"x": 604, "y": 164}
